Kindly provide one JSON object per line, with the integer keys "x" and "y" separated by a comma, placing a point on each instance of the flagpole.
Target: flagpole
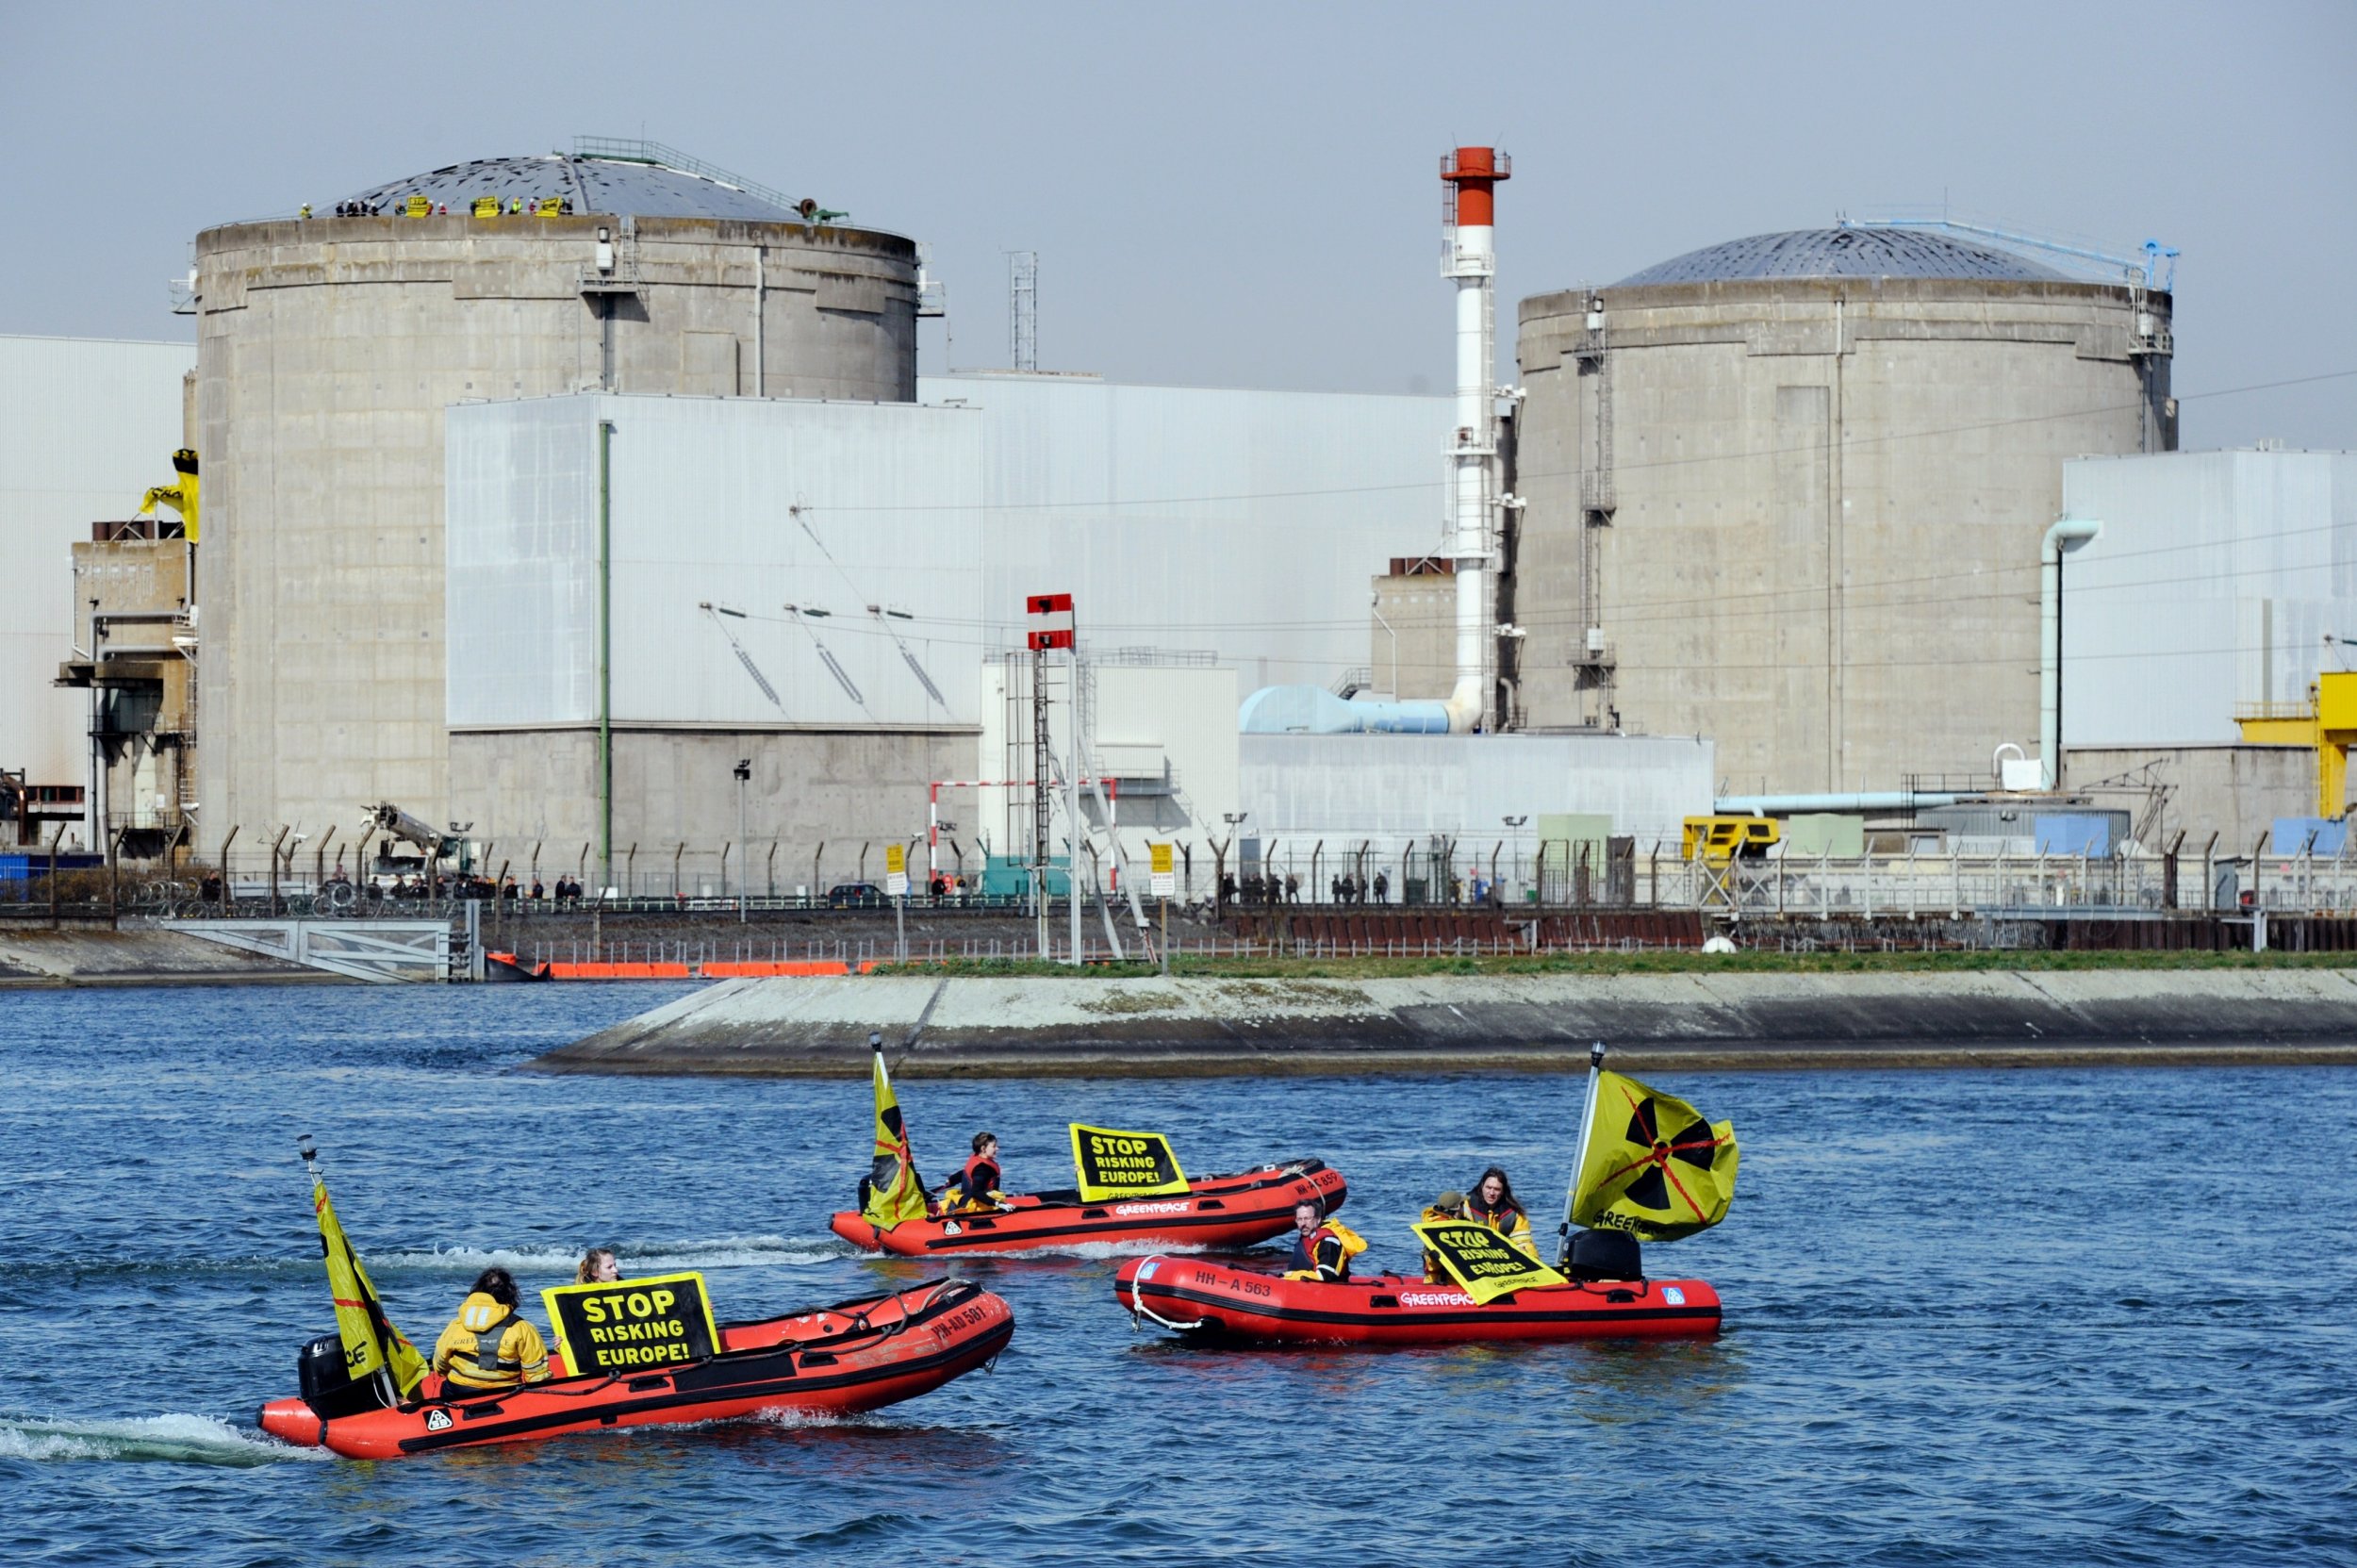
{"x": 386, "y": 1386}
{"x": 1579, "y": 1161}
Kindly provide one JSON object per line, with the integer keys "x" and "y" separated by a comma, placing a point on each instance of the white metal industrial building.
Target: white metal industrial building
{"x": 2220, "y": 580}
{"x": 86, "y": 426}
{"x": 820, "y": 586}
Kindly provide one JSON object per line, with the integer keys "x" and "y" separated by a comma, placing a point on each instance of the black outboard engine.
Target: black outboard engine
{"x": 1604, "y": 1255}
{"x": 327, "y": 1385}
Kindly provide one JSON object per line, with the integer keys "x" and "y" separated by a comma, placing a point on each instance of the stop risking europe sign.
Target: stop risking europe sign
{"x": 632, "y": 1324}
{"x": 1112, "y": 1163}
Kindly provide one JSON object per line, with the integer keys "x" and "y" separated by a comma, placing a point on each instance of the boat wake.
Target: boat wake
{"x": 144, "y": 1439}
{"x": 638, "y": 1258}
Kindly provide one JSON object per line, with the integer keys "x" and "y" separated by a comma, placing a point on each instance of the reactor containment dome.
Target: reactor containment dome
{"x": 1789, "y": 491}
{"x": 328, "y": 348}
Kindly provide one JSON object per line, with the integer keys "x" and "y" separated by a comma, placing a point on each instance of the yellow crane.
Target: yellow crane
{"x": 2326, "y": 722}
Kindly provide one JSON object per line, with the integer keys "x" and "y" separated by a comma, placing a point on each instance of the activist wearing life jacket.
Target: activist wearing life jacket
{"x": 1493, "y": 1204}
{"x": 976, "y": 1188}
{"x": 1448, "y": 1206}
{"x": 487, "y": 1346}
{"x": 1322, "y": 1247}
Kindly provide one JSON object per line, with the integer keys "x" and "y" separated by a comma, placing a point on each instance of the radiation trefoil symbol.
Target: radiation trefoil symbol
{"x": 1656, "y": 1169}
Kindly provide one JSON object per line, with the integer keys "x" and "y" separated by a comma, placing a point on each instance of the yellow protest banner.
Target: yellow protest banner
{"x": 418, "y": 206}
{"x": 1112, "y": 1163}
{"x": 631, "y": 1325}
{"x": 1482, "y": 1260}
{"x": 486, "y": 206}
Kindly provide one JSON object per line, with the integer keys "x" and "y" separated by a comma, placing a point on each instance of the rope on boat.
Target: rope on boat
{"x": 1137, "y": 1302}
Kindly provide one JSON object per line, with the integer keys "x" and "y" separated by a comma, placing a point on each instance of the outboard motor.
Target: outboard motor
{"x": 1604, "y": 1255}
{"x": 327, "y": 1385}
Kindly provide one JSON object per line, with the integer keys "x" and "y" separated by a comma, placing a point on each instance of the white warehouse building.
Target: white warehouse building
{"x": 826, "y": 589}
{"x": 2222, "y": 583}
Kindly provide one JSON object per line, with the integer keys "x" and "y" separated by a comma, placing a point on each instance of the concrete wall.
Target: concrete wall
{"x": 2234, "y": 791}
{"x": 2219, "y": 582}
{"x": 86, "y": 426}
{"x": 523, "y": 788}
{"x": 327, "y": 351}
{"x": 1824, "y": 501}
{"x": 1413, "y": 649}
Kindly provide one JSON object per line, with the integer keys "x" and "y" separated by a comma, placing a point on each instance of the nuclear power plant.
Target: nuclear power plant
{"x": 596, "y": 498}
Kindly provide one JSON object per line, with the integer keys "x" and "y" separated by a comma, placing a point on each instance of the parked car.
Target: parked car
{"x": 854, "y": 894}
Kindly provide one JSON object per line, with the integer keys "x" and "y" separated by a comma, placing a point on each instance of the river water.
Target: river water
{"x": 2087, "y": 1317}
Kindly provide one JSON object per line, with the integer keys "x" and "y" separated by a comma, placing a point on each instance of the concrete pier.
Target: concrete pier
{"x": 1153, "y": 1027}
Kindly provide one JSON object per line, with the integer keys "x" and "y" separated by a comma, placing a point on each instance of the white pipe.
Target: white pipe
{"x": 2066, "y": 535}
{"x": 1471, "y": 446}
{"x": 760, "y": 294}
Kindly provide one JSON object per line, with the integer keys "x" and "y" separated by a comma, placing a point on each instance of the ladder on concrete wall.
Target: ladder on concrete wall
{"x": 385, "y": 952}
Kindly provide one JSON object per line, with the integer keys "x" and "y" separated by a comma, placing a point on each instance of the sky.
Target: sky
{"x": 1247, "y": 195}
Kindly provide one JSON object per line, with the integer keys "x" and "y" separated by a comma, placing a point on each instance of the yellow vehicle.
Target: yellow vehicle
{"x": 1716, "y": 840}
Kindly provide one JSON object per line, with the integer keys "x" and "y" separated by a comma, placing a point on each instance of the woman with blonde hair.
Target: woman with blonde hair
{"x": 598, "y": 1267}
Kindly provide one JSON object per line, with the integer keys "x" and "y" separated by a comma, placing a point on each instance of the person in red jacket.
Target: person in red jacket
{"x": 975, "y": 1190}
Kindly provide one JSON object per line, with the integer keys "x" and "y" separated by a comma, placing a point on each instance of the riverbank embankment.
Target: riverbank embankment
{"x": 1149, "y": 1026}
{"x": 95, "y": 955}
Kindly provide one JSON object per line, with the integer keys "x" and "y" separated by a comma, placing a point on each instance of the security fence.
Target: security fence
{"x": 1435, "y": 874}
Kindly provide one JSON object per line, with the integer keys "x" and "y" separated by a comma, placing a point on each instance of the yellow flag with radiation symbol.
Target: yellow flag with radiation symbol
{"x": 372, "y": 1344}
{"x": 893, "y": 1191}
{"x": 1653, "y": 1166}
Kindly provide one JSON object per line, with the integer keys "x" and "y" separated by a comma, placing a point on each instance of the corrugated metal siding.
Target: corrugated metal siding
{"x": 86, "y": 426}
{"x": 1244, "y": 523}
{"x": 703, "y": 492}
{"x": 2216, "y": 580}
{"x": 1190, "y": 517}
{"x": 1386, "y": 788}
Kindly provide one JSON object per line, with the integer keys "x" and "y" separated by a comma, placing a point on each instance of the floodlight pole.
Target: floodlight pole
{"x": 1580, "y": 1160}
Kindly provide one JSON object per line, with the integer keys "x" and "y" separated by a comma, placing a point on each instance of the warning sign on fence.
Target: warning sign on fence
{"x": 897, "y": 870}
{"x": 1165, "y": 878}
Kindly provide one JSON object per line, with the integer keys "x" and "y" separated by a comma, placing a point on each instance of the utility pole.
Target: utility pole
{"x": 744, "y": 776}
{"x": 1049, "y": 622}
{"x": 1072, "y": 788}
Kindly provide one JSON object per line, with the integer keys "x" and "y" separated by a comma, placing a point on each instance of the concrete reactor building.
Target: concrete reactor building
{"x": 1789, "y": 492}
{"x": 328, "y": 349}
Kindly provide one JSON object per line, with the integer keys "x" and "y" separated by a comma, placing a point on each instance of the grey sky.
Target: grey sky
{"x": 1246, "y": 195}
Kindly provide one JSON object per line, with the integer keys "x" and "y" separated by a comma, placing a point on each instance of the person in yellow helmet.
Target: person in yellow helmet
{"x": 489, "y": 1346}
{"x": 1449, "y": 1206}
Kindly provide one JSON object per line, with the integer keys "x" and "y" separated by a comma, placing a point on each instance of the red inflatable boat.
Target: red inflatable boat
{"x": 852, "y": 1357}
{"x": 1214, "y": 1211}
{"x": 1195, "y": 1297}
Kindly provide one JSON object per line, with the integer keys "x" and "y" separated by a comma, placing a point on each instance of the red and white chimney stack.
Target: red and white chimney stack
{"x": 1468, "y": 255}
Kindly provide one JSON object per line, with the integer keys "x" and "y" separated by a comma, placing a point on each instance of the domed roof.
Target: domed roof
{"x": 640, "y": 189}
{"x": 1845, "y": 252}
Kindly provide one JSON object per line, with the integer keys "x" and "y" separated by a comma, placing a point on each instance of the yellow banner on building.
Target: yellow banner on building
{"x": 1482, "y": 1260}
{"x": 629, "y": 1325}
{"x": 1112, "y": 1163}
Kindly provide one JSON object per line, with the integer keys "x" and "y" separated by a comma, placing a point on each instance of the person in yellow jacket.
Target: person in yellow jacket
{"x": 1493, "y": 1204}
{"x": 1323, "y": 1247}
{"x": 1449, "y": 1206}
{"x": 489, "y": 1346}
